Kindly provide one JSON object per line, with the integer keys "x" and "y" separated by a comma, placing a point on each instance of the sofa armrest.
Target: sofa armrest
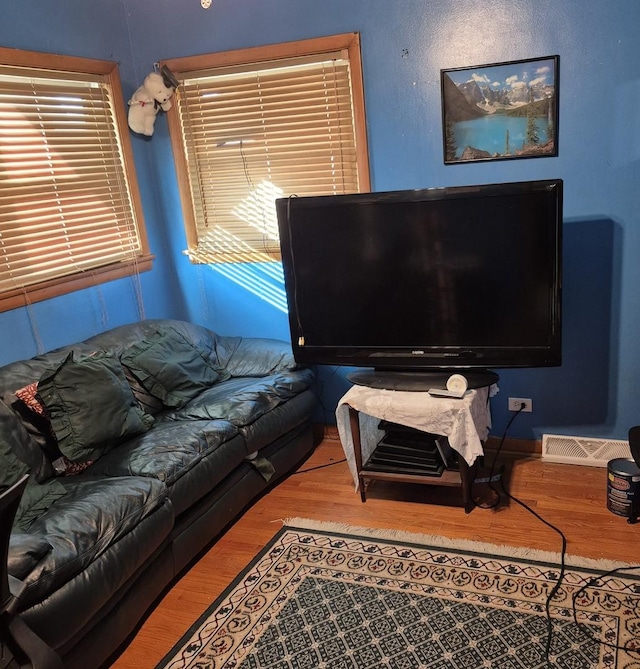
{"x": 256, "y": 356}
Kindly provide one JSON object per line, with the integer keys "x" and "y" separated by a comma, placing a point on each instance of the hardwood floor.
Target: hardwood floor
{"x": 572, "y": 498}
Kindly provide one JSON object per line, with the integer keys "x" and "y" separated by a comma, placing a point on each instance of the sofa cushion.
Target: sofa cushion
{"x": 190, "y": 457}
{"x": 36, "y": 500}
{"x": 91, "y": 406}
{"x": 170, "y": 367}
{"x": 257, "y": 356}
{"x": 269, "y": 427}
{"x": 243, "y": 400}
{"x": 25, "y": 551}
{"x": 81, "y": 526}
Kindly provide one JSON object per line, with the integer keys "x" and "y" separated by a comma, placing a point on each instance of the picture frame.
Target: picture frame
{"x": 500, "y": 111}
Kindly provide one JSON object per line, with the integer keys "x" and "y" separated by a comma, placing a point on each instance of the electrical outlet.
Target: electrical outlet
{"x": 516, "y": 402}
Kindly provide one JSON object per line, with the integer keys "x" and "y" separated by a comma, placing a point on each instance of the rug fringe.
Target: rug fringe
{"x": 460, "y": 544}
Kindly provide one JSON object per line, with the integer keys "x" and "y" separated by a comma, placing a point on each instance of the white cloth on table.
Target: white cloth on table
{"x": 465, "y": 422}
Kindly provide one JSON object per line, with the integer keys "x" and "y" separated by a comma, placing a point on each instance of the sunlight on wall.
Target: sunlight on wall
{"x": 264, "y": 280}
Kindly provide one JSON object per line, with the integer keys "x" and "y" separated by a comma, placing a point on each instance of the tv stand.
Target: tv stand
{"x": 420, "y": 381}
{"x": 462, "y": 423}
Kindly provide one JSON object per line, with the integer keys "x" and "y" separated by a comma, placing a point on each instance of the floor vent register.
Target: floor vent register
{"x": 583, "y": 450}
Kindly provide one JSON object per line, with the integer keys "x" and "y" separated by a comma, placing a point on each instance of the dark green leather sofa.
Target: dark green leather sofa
{"x": 142, "y": 444}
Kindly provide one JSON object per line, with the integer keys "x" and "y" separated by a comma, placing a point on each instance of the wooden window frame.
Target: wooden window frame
{"x": 108, "y": 73}
{"x": 347, "y": 42}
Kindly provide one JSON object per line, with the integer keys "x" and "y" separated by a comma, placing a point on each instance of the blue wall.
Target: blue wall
{"x": 405, "y": 43}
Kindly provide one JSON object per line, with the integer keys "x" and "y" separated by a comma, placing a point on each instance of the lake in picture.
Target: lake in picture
{"x": 489, "y": 133}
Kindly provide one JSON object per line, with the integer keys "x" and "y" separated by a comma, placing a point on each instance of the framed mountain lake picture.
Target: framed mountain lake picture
{"x": 500, "y": 111}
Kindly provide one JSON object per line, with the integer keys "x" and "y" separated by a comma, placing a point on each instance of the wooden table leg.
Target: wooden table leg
{"x": 467, "y": 477}
{"x": 354, "y": 423}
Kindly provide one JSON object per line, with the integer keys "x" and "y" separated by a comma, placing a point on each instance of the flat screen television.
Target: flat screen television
{"x": 433, "y": 280}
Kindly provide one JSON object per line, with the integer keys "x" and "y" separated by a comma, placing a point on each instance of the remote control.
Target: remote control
{"x": 443, "y": 392}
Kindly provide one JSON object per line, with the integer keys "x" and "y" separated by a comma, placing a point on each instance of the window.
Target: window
{"x": 70, "y": 215}
{"x": 253, "y": 125}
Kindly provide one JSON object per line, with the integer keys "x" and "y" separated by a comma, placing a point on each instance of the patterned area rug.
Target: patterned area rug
{"x": 349, "y": 598}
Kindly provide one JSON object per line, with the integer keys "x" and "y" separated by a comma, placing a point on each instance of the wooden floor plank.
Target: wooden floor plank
{"x": 573, "y": 498}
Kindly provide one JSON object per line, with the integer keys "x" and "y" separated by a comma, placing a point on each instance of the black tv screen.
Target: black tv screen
{"x": 436, "y": 279}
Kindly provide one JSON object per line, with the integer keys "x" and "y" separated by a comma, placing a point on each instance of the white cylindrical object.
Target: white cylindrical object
{"x": 456, "y": 383}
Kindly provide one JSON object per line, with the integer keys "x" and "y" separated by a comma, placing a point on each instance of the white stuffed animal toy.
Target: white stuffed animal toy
{"x": 145, "y": 103}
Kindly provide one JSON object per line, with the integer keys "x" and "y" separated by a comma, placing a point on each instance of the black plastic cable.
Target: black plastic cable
{"x": 581, "y": 626}
{"x": 563, "y": 551}
{"x": 328, "y": 464}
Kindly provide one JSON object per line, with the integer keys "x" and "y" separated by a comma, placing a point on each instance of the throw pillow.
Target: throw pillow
{"x": 39, "y": 419}
{"x": 29, "y": 395}
{"x": 35, "y": 418}
{"x": 146, "y": 401}
{"x": 170, "y": 367}
{"x": 91, "y": 406}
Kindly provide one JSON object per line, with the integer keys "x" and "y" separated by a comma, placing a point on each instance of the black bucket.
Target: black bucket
{"x": 623, "y": 488}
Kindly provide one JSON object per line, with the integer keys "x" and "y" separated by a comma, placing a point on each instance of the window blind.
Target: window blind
{"x": 65, "y": 201}
{"x": 254, "y": 132}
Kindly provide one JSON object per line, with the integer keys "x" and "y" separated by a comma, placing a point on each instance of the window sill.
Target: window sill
{"x": 21, "y": 297}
